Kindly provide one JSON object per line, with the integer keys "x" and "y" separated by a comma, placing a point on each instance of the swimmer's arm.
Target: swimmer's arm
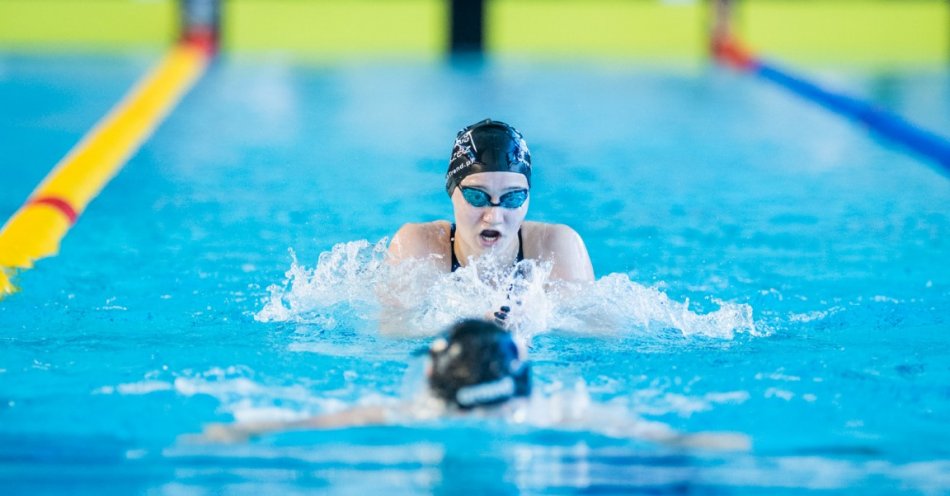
{"x": 416, "y": 241}
{"x": 405, "y": 245}
{"x": 239, "y": 432}
{"x": 394, "y": 320}
{"x": 655, "y": 432}
{"x": 412, "y": 243}
{"x": 408, "y": 243}
{"x": 569, "y": 254}
{"x": 707, "y": 441}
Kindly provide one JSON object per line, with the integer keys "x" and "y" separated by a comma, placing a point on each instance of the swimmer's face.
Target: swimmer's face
{"x": 489, "y": 229}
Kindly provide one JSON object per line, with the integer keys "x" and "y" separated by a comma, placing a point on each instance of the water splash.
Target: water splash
{"x": 238, "y": 391}
{"x": 345, "y": 274}
{"x": 417, "y": 298}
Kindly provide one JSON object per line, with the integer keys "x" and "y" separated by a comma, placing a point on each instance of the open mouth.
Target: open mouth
{"x": 490, "y": 236}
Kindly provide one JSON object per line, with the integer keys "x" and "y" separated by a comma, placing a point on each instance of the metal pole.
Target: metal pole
{"x": 467, "y": 26}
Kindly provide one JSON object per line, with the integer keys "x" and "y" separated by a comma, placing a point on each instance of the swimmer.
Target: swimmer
{"x": 476, "y": 368}
{"x": 489, "y": 183}
{"x": 474, "y": 365}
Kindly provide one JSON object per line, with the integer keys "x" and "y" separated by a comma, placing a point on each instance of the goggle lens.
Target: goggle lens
{"x": 480, "y": 199}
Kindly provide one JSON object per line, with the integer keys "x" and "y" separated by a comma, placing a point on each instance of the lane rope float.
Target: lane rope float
{"x": 36, "y": 229}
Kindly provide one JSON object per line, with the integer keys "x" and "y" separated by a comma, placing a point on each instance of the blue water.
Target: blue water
{"x": 698, "y": 185}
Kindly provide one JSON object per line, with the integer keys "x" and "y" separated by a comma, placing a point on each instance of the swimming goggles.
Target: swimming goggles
{"x": 479, "y": 199}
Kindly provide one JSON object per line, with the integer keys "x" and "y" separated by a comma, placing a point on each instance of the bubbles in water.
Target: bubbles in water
{"x": 354, "y": 280}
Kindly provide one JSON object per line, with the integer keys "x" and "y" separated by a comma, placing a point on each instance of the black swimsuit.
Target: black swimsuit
{"x": 455, "y": 261}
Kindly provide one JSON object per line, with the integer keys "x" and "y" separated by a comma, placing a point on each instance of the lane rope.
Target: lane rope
{"x": 36, "y": 229}
{"x": 923, "y": 142}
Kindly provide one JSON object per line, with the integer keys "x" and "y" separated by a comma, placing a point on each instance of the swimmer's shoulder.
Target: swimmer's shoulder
{"x": 420, "y": 240}
{"x": 560, "y": 244}
{"x": 547, "y": 238}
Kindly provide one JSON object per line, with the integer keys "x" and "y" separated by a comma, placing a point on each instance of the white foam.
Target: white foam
{"x": 884, "y": 299}
{"x": 237, "y": 392}
{"x": 656, "y": 401}
{"x": 814, "y": 315}
{"x": 144, "y": 387}
{"x": 773, "y": 392}
{"x": 352, "y": 278}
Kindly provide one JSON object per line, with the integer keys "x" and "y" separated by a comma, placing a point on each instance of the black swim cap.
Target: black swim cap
{"x": 476, "y": 363}
{"x": 487, "y": 146}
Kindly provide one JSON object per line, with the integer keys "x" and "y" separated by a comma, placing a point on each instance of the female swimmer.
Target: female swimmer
{"x": 489, "y": 182}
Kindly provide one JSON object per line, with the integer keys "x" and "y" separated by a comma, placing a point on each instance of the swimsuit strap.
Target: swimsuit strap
{"x": 520, "y": 248}
{"x": 455, "y": 261}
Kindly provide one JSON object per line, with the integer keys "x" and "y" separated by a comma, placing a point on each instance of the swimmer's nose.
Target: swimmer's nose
{"x": 493, "y": 215}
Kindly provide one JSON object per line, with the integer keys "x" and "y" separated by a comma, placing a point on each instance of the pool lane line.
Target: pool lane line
{"x": 923, "y": 142}
{"x": 36, "y": 229}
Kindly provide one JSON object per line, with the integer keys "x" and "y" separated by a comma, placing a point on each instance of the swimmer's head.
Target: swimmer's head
{"x": 487, "y": 146}
{"x": 476, "y": 363}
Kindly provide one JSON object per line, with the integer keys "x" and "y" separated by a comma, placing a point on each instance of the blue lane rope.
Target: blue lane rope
{"x": 887, "y": 124}
{"x": 884, "y": 123}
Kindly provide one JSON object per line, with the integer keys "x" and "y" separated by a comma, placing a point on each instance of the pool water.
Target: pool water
{"x": 793, "y": 269}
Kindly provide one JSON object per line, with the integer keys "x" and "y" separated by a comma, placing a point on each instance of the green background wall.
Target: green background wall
{"x": 883, "y": 32}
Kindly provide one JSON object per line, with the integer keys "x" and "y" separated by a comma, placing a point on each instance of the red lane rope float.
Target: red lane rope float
{"x": 59, "y": 204}
{"x": 732, "y": 52}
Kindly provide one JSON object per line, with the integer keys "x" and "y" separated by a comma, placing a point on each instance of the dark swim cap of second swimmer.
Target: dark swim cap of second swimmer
{"x": 487, "y": 146}
{"x": 477, "y": 363}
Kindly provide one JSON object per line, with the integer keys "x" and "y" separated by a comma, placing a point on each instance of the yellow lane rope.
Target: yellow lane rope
{"x": 35, "y": 230}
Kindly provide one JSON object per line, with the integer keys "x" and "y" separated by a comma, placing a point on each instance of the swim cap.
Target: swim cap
{"x": 487, "y": 146}
{"x": 476, "y": 363}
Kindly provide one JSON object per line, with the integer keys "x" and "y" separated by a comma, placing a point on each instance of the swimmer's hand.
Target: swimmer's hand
{"x": 234, "y": 433}
{"x": 500, "y": 317}
{"x": 244, "y": 431}
{"x": 224, "y": 434}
